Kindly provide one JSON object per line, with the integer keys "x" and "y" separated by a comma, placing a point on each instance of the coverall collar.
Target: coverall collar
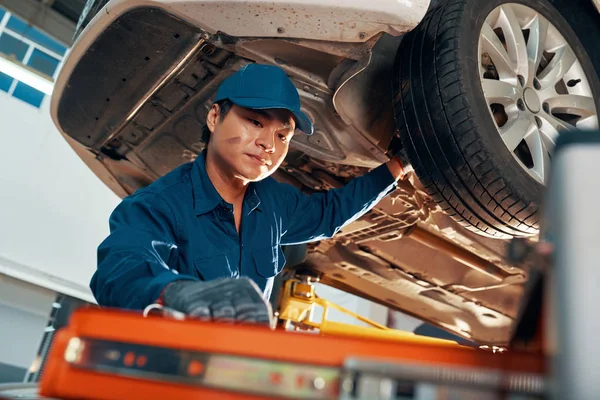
{"x": 206, "y": 197}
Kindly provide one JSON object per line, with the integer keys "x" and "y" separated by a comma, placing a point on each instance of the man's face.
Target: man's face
{"x": 250, "y": 144}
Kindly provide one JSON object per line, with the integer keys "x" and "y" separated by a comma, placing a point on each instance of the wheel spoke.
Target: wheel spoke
{"x": 539, "y": 155}
{"x": 515, "y": 41}
{"x": 491, "y": 44}
{"x": 557, "y": 124}
{"x": 482, "y": 69}
{"x": 548, "y": 133}
{"x": 555, "y": 71}
{"x": 538, "y": 31}
{"x": 500, "y": 92}
{"x": 514, "y": 132}
{"x": 582, "y": 106}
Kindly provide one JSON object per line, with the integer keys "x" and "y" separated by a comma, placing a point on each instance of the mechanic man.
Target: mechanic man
{"x": 205, "y": 239}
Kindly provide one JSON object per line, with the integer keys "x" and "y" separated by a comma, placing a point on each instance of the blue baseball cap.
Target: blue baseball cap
{"x": 261, "y": 87}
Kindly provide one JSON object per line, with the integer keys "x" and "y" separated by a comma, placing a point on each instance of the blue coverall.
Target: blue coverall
{"x": 179, "y": 227}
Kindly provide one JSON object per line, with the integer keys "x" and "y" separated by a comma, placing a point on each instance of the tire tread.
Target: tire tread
{"x": 453, "y": 171}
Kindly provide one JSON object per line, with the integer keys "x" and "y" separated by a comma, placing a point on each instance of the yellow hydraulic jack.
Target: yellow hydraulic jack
{"x": 297, "y": 308}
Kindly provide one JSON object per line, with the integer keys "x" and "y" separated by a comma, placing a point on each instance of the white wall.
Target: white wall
{"x": 53, "y": 210}
{"x": 24, "y": 310}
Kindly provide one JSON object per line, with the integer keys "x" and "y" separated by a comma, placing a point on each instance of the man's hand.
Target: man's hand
{"x": 226, "y": 300}
{"x": 396, "y": 168}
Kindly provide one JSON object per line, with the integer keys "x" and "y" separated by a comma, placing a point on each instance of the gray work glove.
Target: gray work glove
{"x": 226, "y": 300}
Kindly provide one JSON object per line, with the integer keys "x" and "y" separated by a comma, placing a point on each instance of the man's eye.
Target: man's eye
{"x": 282, "y": 137}
{"x": 255, "y": 122}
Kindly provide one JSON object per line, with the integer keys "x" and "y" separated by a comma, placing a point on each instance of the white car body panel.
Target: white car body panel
{"x": 320, "y": 20}
{"x": 330, "y": 20}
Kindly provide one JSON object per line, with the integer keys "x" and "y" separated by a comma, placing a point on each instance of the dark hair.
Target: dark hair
{"x": 224, "y": 108}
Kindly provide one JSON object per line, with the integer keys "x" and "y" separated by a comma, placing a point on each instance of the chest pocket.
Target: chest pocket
{"x": 218, "y": 266}
{"x": 268, "y": 260}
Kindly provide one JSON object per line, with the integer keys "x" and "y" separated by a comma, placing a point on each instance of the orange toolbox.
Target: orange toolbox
{"x": 116, "y": 354}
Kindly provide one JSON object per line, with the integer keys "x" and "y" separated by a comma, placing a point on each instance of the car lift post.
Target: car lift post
{"x": 571, "y": 225}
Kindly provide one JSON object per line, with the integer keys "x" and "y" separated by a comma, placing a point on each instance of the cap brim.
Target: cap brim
{"x": 303, "y": 123}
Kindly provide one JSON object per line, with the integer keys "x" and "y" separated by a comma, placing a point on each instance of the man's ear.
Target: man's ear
{"x": 212, "y": 119}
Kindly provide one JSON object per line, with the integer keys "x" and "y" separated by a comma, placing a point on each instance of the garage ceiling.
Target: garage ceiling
{"x": 58, "y": 18}
{"x": 71, "y": 9}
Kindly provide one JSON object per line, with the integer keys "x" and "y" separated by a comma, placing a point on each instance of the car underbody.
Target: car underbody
{"x": 139, "y": 116}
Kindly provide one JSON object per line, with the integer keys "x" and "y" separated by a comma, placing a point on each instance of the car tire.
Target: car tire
{"x": 445, "y": 125}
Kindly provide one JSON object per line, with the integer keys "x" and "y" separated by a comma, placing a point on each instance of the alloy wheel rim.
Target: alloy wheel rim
{"x": 533, "y": 83}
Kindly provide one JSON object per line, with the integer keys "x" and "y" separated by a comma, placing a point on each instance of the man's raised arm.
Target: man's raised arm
{"x": 322, "y": 215}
